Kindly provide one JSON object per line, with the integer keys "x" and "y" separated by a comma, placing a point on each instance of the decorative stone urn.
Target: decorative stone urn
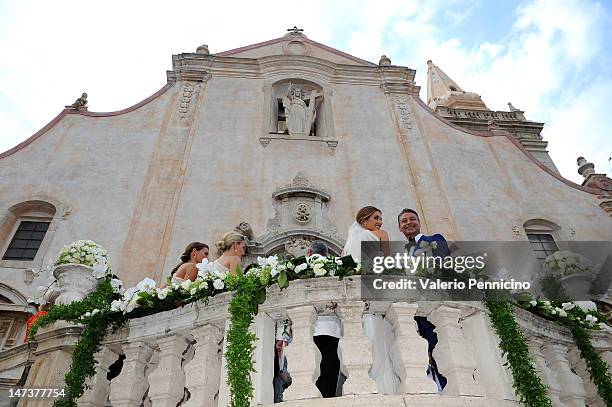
{"x": 75, "y": 281}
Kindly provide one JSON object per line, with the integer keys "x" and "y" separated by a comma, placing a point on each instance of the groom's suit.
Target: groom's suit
{"x": 426, "y": 328}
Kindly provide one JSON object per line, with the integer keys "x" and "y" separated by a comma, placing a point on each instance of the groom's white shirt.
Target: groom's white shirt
{"x": 416, "y": 240}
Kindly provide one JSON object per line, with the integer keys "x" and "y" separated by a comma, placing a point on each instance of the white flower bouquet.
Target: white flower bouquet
{"x": 88, "y": 253}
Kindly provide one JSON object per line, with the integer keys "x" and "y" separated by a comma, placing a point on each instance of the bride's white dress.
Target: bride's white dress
{"x": 385, "y": 370}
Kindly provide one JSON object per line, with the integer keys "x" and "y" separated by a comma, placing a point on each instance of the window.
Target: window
{"x": 26, "y": 241}
{"x": 281, "y": 119}
{"x": 543, "y": 245}
{"x": 26, "y": 232}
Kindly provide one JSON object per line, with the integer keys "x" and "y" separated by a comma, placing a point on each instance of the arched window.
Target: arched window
{"x": 541, "y": 234}
{"x": 24, "y": 231}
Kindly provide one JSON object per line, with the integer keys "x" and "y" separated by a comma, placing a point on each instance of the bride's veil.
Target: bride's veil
{"x": 353, "y": 241}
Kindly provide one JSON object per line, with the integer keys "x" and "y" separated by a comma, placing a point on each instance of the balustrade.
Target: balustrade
{"x": 176, "y": 356}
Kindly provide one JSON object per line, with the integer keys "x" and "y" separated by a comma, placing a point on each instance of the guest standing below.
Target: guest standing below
{"x": 282, "y": 378}
{"x": 194, "y": 253}
{"x": 409, "y": 224}
{"x": 317, "y": 247}
{"x": 231, "y": 248}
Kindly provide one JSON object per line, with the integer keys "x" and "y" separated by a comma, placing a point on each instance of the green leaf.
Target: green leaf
{"x": 283, "y": 281}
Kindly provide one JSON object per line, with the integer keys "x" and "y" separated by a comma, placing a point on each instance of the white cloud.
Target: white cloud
{"x": 118, "y": 52}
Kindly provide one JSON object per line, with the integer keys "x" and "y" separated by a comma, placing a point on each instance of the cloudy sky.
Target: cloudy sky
{"x": 547, "y": 57}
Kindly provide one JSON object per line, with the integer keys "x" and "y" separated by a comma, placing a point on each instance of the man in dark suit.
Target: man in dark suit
{"x": 410, "y": 225}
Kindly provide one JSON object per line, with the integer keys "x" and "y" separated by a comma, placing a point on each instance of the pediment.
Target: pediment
{"x": 298, "y": 45}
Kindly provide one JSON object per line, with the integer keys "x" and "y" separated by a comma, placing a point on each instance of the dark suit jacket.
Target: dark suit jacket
{"x": 442, "y": 246}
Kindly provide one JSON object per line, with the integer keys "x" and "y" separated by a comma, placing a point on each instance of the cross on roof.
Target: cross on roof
{"x": 295, "y": 30}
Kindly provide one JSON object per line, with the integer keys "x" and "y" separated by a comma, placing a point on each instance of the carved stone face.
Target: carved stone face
{"x": 297, "y": 92}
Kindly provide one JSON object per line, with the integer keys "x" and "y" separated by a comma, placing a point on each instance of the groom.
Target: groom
{"x": 409, "y": 224}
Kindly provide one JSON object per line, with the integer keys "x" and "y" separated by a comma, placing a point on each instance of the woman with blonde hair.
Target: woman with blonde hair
{"x": 231, "y": 248}
{"x": 193, "y": 254}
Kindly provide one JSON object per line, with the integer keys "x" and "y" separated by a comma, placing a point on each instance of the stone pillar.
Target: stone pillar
{"x": 453, "y": 353}
{"x": 579, "y": 365}
{"x": 356, "y": 350}
{"x": 301, "y": 353}
{"x": 53, "y": 356}
{"x": 129, "y": 387}
{"x": 544, "y": 372}
{"x": 167, "y": 381}
{"x": 97, "y": 393}
{"x": 224, "y": 389}
{"x": 572, "y": 388}
{"x": 491, "y": 373}
{"x": 202, "y": 372}
{"x": 412, "y": 349}
{"x": 263, "y": 328}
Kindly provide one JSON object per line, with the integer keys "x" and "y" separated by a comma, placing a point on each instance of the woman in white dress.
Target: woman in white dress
{"x": 385, "y": 370}
{"x": 231, "y": 248}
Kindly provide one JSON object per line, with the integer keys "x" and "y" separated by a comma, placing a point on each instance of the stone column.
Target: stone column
{"x": 263, "y": 328}
{"x": 412, "y": 349}
{"x": 53, "y": 356}
{"x": 544, "y": 372}
{"x": 97, "y": 393}
{"x": 491, "y": 373}
{"x": 300, "y": 355}
{"x": 202, "y": 372}
{"x": 572, "y": 388}
{"x": 224, "y": 389}
{"x": 579, "y": 365}
{"x": 129, "y": 387}
{"x": 167, "y": 381}
{"x": 453, "y": 353}
{"x": 356, "y": 350}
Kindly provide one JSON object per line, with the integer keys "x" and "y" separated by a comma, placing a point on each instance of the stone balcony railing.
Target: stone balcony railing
{"x": 174, "y": 353}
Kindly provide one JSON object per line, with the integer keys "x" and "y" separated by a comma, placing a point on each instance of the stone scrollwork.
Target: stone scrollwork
{"x": 403, "y": 108}
{"x": 185, "y": 99}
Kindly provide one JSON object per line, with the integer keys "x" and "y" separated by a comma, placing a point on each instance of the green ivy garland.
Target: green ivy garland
{"x": 527, "y": 384}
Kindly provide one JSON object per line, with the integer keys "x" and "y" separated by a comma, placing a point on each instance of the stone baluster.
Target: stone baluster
{"x": 263, "y": 327}
{"x": 56, "y": 343}
{"x": 301, "y": 359}
{"x": 412, "y": 348}
{"x": 572, "y": 388}
{"x": 98, "y": 387}
{"x": 128, "y": 389}
{"x": 579, "y": 365}
{"x": 544, "y": 372}
{"x": 202, "y": 372}
{"x": 162, "y": 391}
{"x": 356, "y": 350}
{"x": 453, "y": 353}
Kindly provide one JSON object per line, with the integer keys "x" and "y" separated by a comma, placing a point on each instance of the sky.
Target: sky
{"x": 549, "y": 58}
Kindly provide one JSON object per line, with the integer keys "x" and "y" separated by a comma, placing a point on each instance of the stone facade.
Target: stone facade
{"x": 206, "y": 152}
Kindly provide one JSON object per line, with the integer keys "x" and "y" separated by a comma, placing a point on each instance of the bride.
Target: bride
{"x": 385, "y": 370}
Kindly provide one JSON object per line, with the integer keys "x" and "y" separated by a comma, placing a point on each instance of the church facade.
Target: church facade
{"x": 284, "y": 140}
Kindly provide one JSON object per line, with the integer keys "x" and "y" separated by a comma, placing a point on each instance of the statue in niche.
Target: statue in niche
{"x": 300, "y": 116}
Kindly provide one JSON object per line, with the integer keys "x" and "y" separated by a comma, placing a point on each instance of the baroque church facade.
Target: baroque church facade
{"x": 284, "y": 141}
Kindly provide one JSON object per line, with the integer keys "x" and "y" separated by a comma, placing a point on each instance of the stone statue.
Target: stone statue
{"x": 300, "y": 116}
{"x": 512, "y": 108}
{"x": 80, "y": 103}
